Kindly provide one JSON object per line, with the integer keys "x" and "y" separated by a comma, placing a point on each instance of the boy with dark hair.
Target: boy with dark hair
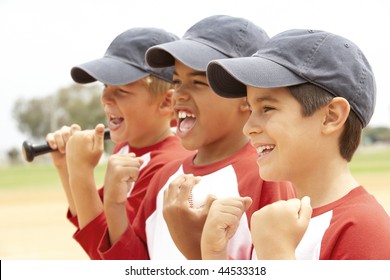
{"x": 310, "y": 94}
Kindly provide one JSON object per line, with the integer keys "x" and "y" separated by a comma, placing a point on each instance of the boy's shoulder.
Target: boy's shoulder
{"x": 360, "y": 202}
{"x": 353, "y": 227}
{"x": 361, "y": 213}
{"x": 363, "y": 227}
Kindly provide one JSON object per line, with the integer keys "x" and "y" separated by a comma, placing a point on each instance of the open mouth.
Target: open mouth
{"x": 114, "y": 122}
{"x": 264, "y": 150}
{"x": 186, "y": 121}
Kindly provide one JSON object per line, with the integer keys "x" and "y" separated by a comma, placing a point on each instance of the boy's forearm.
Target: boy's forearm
{"x": 117, "y": 220}
{"x": 85, "y": 195}
{"x": 274, "y": 250}
{"x": 213, "y": 245}
{"x": 64, "y": 177}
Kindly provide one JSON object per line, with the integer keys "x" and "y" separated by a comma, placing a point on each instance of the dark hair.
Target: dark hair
{"x": 312, "y": 98}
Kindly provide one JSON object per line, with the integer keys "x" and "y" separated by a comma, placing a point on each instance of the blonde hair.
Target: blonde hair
{"x": 156, "y": 86}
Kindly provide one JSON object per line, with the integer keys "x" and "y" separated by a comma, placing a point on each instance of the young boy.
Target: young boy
{"x": 310, "y": 94}
{"x": 224, "y": 158}
{"x": 137, "y": 100}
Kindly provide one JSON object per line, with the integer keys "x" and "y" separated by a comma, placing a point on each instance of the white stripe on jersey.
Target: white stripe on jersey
{"x": 310, "y": 246}
{"x": 222, "y": 183}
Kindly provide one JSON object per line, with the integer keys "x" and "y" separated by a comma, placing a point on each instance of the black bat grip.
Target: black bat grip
{"x": 30, "y": 151}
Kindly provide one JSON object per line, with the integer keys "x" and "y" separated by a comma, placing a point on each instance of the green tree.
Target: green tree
{"x": 377, "y": 134}
{"x": 74, "y": 104}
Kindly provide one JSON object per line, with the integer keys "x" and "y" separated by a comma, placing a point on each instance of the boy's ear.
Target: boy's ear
{"x": 244, "y": 106}
{"x": 166, "y": 103}
{"x": 336, "y": 114}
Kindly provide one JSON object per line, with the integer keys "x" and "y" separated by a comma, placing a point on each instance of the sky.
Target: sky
{"x": 42, "y": 40}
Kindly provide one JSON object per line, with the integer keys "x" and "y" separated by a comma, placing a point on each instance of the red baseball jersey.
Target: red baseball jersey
{"x": 237, "y": 175}
{"x": 155, "y": 156}
{"x": 355, "y": 227}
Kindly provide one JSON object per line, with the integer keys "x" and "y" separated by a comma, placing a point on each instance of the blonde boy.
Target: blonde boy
{"x": 137, "y": 100}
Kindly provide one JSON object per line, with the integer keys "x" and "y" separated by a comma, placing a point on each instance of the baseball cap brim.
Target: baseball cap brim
{"x": 108, "y": 71}
{"x": 229, "y": 77}
{"x": 191, "y": 53}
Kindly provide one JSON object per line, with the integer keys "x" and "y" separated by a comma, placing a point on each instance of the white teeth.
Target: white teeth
{"x": 183, "y": 115}
{"x": 261, "y": 149}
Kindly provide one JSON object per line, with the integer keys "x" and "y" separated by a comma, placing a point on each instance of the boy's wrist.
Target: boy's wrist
{"x": 276, "y": 255}
{"x": 81, "y": 173}
{"x": 212, "y": 255}
{"x": 113, "y": 205}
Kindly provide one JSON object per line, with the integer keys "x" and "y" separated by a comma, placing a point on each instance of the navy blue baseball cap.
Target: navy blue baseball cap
{"x": 124, "y": 61}
{"x": 215, "y": 37}
{"x": 300, "y": 56}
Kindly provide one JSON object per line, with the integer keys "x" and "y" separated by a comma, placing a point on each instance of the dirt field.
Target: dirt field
{"x": 33, "y": 226}
{"x": 33, "y": 223}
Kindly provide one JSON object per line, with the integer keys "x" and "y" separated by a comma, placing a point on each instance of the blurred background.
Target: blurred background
{"x": 42, "y": 40}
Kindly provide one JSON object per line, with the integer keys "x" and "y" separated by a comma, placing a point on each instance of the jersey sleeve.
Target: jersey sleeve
{"x": 89, "y": 237}
{"x": 128, "y": 247}
{"x": 362, "y": 233}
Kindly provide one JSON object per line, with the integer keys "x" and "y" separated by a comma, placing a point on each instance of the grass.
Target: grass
{"x": 36, "y": 175}
{"x": 371, "y": 161}
{"x": 365, "y": 161}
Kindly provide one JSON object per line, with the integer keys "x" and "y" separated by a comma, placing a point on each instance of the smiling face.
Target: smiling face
{"x": 206, "y": 122}
{"x": 131, "y": 113}
{"x": 287, "y": 142}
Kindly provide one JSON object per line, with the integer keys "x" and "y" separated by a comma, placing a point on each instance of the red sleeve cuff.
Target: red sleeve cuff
{"x": 126, "y": 248}
{"x": 89, "y": 237}
{"x": 72, "y": 219}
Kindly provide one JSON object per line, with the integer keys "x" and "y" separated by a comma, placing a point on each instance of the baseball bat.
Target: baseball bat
{"x": 30, "y": 151}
